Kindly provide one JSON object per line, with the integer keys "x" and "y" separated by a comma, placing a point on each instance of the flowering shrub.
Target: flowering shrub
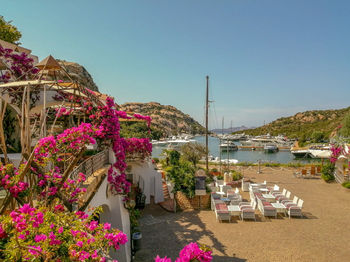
{"x": 10, "y": 180}
{"x": 63, "y": 112}
{"x": 191, "y": 253}
{"x": 20, "y": 67}
{"x": 19, "y": 64}
{"x": 336, "y": 152}
{"x": 43, "y": 234}
{"x": 148, "y": 119}
{"x": 138, "y": 147}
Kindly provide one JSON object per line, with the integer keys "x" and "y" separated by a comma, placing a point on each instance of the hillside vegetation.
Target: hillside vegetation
{"x": 166, "y": 119}
{"x": 305, "y": 125}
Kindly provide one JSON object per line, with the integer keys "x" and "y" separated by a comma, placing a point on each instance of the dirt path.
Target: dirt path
{"x": 322, "y": 235}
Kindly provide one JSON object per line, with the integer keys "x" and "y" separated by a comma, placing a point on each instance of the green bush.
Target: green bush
{"x": 346, "y": 184}
{"x": 220, "y": 177}
{"x": 236, "y": 175}
{"x": 156, "y": 160}
{"x": 328, "y": 172}
{"x": 181, "y": 173}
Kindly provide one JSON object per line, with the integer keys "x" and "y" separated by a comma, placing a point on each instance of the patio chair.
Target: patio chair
{"x": 245, "y": 186}
{"x": 286, "y": 197}
{"x": 225, "y": 188}
{"x": 266, "y": 209}
{"x": 303, "y": 173}
{"x": 214, "y": 188}
{"x": 318, "y": 170}
{"x": 275, "y": 194}
{"x": 219, "y": 182}
{"x": 247, "y": 210}
{"x": 222, "y": 212}
{"x": 294, "y": 210}
{"x": 313, "y": 171}
{"x": 230, "y": 191}
{"x": 295, "y": 201}
{"x": 214, "y": 197}
{"x": 300, "y": 203}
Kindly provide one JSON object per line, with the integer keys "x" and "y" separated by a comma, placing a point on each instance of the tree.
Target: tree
{"x": 9, "y": 32}
{"x": 344, "y": 131}
{"x": 318, "y": 136}
{"x": 193, "y": 152}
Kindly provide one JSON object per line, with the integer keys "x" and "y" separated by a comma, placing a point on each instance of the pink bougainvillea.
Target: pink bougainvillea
{"x": 42, "y": 234}
{"x": 336, "y": 152}
{"x": 191, "y": 253}
{"x": 148, "y": 119}
{"x": 20, "y": 65}
{"x": 138, "y": 147}
{"x": 63, "y": 112}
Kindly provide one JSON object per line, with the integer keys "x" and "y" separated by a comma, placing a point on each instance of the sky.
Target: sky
{"x": 265, "y": 58}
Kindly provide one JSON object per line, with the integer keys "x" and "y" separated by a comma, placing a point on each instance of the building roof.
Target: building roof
{"x": 14, "y": 47}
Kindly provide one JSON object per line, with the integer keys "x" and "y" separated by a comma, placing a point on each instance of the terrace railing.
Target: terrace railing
{"x": 91, "y": 164}
{"x": 341, "y": 175}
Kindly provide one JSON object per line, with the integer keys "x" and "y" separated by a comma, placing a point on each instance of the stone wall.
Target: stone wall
{"x": 197, "y": 202}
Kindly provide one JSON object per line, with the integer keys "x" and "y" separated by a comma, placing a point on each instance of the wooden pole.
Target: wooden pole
{"x": 206, "y": 124}
{"x": 2, "y": 135}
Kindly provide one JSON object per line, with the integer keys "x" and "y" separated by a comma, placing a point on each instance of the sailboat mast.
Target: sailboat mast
{"x": 222, "y": 133}
{"x": 206, "y": 124}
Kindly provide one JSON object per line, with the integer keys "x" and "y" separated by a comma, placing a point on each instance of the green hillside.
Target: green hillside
{"x": 305, "y": 125}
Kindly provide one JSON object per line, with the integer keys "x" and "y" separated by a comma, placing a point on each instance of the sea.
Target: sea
{"x": 241, "y": 155}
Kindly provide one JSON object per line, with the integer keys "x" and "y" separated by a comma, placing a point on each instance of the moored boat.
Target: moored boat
{"x": 228, "y": 146}
{"x": 270, "y": 148}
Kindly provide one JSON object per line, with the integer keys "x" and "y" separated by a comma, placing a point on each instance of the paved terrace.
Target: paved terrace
{"x": 322, "y": 235}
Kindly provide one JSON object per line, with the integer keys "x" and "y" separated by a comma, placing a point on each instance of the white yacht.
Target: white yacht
{"x": 270, "y": 148}
{"x": 228, "y": 146}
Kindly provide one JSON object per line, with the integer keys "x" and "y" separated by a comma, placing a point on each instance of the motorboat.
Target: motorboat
{"x": 300, "y": 153}
{"x": 228, "y": 146}
{"x": 270, "y": 148}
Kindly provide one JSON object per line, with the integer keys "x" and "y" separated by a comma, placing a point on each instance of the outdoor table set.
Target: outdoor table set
{"x": 227, "y": 202}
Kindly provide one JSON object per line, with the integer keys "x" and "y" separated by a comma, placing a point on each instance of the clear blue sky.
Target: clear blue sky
{"x": 265, "y": 58}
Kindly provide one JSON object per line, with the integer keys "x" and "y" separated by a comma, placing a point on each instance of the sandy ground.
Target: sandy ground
{"x": 323, "y": 234}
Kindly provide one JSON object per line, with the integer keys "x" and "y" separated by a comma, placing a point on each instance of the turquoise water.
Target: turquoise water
{"x": 242, "y": 155}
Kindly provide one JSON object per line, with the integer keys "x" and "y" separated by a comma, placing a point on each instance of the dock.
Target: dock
{"x": 280, "y": 148}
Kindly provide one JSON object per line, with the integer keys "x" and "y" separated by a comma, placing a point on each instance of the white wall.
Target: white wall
{"x": 152, "y": 180}
{"x": 115, "y": 214}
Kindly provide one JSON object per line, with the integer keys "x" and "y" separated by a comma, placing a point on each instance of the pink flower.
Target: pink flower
{"x": 2, "y": 232}
{"x": 34, "y": 250}
{"x": 164, "y": 259}
{"x": 40, "y": 237}
{"x": 107, "y": 226}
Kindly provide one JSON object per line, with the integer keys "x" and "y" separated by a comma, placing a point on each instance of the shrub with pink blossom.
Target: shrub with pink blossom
{"x": 191, "y": 253}
{"x": 52, "y": 234}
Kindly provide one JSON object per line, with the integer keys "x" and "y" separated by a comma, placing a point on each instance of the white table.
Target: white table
{"x": 220, "y": 193}
{"x": 270, "y": 198}
{"x": 234, "y": 210}
{"x": 263, "y": 190}
{"x": 280, "y": 208}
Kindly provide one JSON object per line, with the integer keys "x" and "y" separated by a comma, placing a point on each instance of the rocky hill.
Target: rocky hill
{"x": 79, "y": 73}
{"x": 230, "y": 130}
{"x": 166, "y": 118}
{"x": 304, "y": 124}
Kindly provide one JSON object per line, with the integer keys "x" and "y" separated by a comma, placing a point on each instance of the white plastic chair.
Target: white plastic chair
{"x": 300, "y": 203}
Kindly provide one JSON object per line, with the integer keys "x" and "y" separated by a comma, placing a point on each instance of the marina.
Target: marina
{"x": 243, "y": 154}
